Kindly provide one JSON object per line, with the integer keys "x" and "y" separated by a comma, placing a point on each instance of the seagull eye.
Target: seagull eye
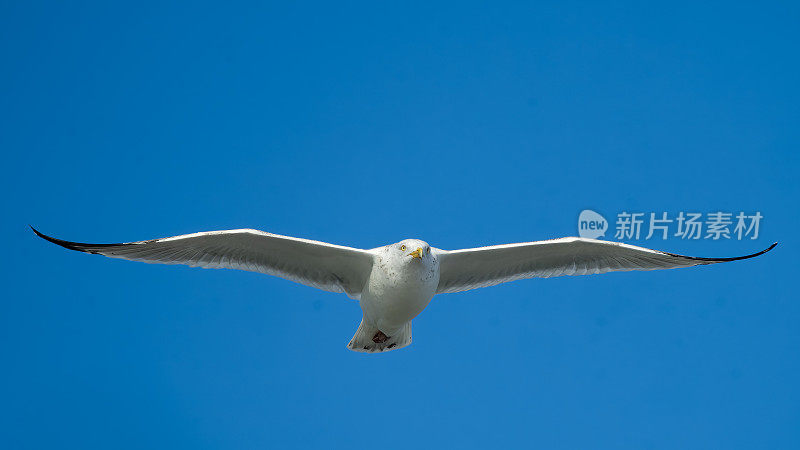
{"x": 402, "y": 248}
{"x": 427, "y": 249}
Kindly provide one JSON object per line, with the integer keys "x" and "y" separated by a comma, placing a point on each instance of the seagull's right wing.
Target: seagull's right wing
{"x": 472, "y": 268}
{"x": 318, "y": 264}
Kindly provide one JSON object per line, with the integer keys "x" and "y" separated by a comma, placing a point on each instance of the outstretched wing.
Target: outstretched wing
{"x": 318, "y": 264}
{"x": 462, "y": 270}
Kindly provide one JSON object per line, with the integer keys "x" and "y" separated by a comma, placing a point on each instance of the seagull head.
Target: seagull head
{"x": 412, "y": 250}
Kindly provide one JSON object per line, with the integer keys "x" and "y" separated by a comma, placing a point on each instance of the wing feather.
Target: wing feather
{"x": 318, "y": 264}
{"x": 473, "y": 268}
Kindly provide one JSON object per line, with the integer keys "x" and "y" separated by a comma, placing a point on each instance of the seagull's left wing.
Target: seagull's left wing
{"x": 318, "y": 264}
{"x": 473, "y": 268}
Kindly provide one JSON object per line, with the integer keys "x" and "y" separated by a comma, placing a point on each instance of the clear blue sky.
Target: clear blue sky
{"x": 462, "y": 124}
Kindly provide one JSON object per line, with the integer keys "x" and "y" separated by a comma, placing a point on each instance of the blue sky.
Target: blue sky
{"x": 463, "y": 124}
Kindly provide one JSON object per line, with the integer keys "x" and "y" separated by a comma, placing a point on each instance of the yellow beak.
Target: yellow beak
{"x": 418, "y": 253}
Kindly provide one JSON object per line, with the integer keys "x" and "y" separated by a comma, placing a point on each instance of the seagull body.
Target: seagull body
{"x": 393, "y": 283}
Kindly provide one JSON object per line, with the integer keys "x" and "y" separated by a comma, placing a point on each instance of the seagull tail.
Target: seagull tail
{"x": 369, "y": 339}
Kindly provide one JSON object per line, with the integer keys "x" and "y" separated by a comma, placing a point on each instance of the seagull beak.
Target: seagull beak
{"x": 418, "y": 253}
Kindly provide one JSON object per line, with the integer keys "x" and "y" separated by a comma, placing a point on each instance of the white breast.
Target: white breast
{"x": 398, "y": 290}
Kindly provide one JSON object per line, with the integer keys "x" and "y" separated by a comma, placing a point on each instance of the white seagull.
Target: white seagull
{"x": 395, "y": 282}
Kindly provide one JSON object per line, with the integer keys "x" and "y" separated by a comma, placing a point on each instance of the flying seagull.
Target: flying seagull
{"x": 393, "y": 283}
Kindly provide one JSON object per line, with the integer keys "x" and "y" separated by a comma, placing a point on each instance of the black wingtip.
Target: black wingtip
{"x": 77, "y": 246}
{"x": 756, "y": 254}
{"x": 65, "y": 244}
{"x": 735, "y": 258}
{"x": 40, "y": 234}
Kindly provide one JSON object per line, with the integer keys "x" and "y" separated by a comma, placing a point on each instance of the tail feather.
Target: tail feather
{"x": 369, "y": 339}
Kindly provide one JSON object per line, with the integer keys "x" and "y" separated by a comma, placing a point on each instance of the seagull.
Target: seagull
{"x": 393, "y": 283}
